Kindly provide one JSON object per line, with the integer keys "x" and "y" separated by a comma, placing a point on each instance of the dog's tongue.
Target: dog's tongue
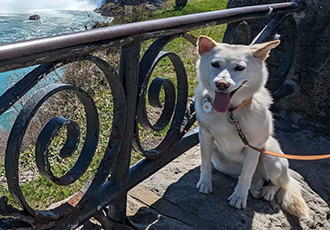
{"x": 221, "y": 102}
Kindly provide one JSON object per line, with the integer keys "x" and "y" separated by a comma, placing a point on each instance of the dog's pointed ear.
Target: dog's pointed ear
{"x": 205, "y": 44}
{"x": 262, "y": 50}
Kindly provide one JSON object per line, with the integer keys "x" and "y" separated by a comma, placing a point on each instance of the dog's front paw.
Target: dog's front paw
{"x": 237, "y": 200}
{"x": 204, "y": 186}
{"x": 256, "y": 191}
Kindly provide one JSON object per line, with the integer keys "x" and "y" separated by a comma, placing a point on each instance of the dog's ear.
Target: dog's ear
{"x": 205, "y": 44}
{"x": 262, "y": 50}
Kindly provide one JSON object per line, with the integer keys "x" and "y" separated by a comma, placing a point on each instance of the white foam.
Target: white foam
{"x": 31, "y": 6}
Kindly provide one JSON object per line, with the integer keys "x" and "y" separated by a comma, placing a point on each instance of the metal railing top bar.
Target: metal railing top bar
{"x": 49, "y": 49}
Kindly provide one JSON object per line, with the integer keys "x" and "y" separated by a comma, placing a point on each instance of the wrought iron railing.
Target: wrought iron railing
{"x": 129, "y": 85}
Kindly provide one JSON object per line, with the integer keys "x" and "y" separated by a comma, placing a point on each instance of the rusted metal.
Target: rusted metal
{"x": 44, "y": 141}
{"x": 110, "y": 191}
{"x": 128, "y": 72}
{"x": 171, "y": 107}
{"x": 18, "y": 131}
{"x": 104, "y": 195}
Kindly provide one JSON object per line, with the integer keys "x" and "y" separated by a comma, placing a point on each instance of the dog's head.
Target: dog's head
{"x": 233, "y": 72}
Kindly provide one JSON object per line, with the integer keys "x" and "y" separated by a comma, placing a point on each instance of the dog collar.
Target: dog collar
{"x": 207, "y": 105}
{"x": 244, "y": 103}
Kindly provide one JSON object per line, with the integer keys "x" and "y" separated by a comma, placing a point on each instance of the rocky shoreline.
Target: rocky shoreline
{"x": 115, "y": 10}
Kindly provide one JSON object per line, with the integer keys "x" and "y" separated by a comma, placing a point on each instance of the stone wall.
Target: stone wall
{"x": 311, "y": 71}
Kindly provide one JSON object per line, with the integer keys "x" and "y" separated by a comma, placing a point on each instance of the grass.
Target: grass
{"x": 192, "y": 7}
{"x": 41, "y": 192}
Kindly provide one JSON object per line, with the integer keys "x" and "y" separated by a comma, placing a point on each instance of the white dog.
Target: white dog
{"x": 232, "y": 80}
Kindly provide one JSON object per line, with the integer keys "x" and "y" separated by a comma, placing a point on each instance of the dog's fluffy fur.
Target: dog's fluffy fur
{"x": 221, "y": 69}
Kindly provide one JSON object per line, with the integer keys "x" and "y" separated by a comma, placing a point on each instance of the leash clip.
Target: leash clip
{"x": 232, "y": 120}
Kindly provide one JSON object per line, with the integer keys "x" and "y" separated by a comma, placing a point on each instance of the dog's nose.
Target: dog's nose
{"x": 222, "y": 85}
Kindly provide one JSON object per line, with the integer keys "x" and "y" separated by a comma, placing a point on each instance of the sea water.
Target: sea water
{"x": 56, "y": 17}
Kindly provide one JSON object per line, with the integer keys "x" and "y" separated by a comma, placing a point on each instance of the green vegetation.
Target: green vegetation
{"x": 192, "y": 7}
{"x": 40, "y": 192}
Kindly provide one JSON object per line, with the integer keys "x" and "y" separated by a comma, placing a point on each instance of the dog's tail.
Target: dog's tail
{"x": 291, "y": 200}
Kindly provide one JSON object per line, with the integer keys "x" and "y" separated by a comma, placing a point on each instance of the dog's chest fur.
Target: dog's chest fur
{"x": 224, "y": 134}
{"x": 255, "y": 122}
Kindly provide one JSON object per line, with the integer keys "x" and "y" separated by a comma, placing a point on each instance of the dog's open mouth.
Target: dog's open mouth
{"x": 221, "y": 102}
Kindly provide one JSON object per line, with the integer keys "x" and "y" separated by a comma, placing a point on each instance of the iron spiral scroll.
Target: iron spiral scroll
{"x": 175, "y": 116}
{"x": 42, "y": 219}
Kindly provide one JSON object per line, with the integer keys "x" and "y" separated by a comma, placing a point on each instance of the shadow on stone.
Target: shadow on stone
{"x": 171, "y": 198}
{"x": 181, "y": 206}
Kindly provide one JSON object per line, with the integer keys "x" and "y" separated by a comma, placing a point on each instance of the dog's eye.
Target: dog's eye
{"x": 215, "y": 65}
{"x": 239, "y": 68}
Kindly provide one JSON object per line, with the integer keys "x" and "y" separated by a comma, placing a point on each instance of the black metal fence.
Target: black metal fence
{"x": 105, "y": 196}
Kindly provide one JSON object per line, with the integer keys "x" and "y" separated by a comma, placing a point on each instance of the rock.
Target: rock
{"x": 312, "y": 64}
{"x": 169, "y": 199}
{"x": 312, "y": 58}
{"x": 116, "y": 10}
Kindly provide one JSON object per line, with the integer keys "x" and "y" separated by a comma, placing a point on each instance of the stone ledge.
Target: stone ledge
{"x": 169, "y": 199}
